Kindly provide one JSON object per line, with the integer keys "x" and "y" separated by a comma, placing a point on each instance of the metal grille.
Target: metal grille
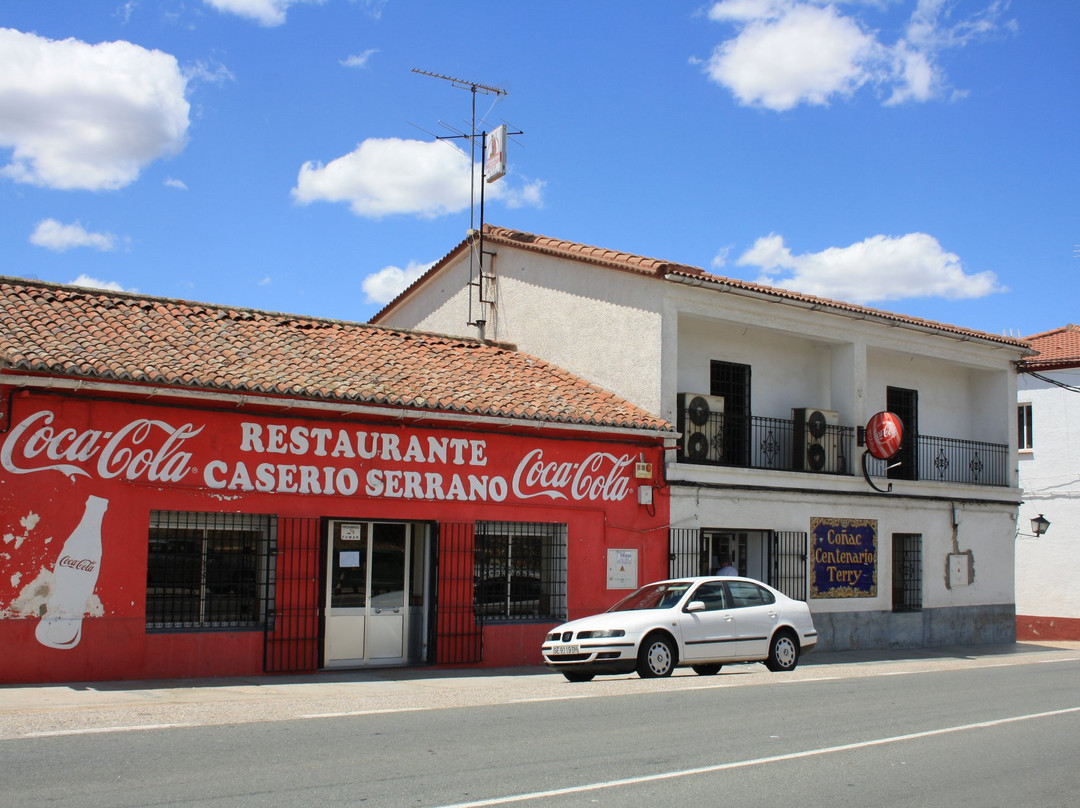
{"x": 951, "y": 460}
{"x": 767, "y": 443}
{"x": 209, "y": 570}
{"x": 785, "y": 566}
{"x": 458, "y": 630}
{"x": 684, "y": 552}
{"x": 905, "y": 404}
{"x": 292, "y": 630}
{"x": 907, "y": 572}
{"x": 732, "y": 381}
{"x": 520, "y": 570}
{"x": 788, "y": 561}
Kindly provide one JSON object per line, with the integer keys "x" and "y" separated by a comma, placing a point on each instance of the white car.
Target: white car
{"x": 701, "y": 623}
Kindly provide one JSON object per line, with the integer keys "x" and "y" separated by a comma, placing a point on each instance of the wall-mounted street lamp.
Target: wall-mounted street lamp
{"x": 1039, "y": 525}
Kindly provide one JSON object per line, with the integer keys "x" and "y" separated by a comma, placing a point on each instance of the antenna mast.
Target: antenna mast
{"x": 476, "y": 251}
{"x": 473, "y": 87}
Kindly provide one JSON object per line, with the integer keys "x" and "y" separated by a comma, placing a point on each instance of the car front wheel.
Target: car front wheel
{"x": 783, "y": 652}
{"x": 656, "y": 658}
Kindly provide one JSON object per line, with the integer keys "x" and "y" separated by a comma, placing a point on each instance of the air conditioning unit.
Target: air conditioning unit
{"x": 701, "y": 422}
{"x": 817, "y": 448}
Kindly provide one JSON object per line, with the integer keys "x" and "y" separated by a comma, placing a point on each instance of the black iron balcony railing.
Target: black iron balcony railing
{"x": 950, "y": 460}
{"x": 783, "y": 444}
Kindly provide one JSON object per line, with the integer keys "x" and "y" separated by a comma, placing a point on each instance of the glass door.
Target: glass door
{"x": 368, "y": 583}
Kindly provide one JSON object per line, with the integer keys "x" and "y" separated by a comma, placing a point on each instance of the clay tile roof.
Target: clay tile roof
{"x": 105, "y": 335}
{"x": 1059, "y": 348}
{"x": 667, "y": 270}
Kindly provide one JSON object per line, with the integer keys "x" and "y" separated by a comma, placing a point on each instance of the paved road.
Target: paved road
{"x": 982, "y": 726}
{"x": 38, "y": 711}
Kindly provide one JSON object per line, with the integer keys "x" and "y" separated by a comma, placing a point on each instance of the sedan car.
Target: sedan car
{"x": 701, "y": 623}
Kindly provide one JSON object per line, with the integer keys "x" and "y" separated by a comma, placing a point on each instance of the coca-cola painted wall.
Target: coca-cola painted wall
{"x": 80, "y": 476}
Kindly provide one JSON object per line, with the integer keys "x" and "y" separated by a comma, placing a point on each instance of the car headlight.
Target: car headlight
{"x": 596, "y": 635}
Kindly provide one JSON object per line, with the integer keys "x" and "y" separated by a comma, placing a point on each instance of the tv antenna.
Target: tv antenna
{"x": 476, "y": 235}
{"x": 473, "y": 87}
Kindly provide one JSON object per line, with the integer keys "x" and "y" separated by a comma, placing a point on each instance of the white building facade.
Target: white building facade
{"x": 770, "y": 391}
{"x": 1048, "y": 410}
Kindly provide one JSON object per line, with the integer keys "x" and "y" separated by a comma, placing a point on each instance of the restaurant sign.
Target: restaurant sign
{"x": 843, "y": 558}
{"x": 234, "y": 455}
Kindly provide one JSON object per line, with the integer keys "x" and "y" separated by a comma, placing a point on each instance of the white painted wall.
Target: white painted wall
{"x": 602, "y": 324}
{"x": 1048, "y": 568}
{"x": 648, "y": 340}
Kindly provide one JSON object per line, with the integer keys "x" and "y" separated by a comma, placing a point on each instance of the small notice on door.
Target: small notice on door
{"x": 349, "y": 558}
{"x": 622, "y": 569}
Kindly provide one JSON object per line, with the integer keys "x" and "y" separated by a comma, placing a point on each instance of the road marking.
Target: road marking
{"x": 98, "y": 730}
{"x": 742, "y": 764}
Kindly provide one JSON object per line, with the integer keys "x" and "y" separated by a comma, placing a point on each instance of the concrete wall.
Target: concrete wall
{"x": 1047, "y": 588}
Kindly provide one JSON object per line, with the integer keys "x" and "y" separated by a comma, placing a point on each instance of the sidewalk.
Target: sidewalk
{"x": 40, "y": 710}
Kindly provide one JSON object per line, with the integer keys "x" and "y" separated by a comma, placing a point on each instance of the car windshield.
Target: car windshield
{"x": 652, "y": 596}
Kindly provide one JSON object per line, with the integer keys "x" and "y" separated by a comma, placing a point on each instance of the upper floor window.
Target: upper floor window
{"x": 1024, "y": 437}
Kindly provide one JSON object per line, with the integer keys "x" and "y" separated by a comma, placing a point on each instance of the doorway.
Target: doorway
{"x": 376, "y": 593}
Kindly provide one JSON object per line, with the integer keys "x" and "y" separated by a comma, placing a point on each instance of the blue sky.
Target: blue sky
{"x": 914, "y": 155}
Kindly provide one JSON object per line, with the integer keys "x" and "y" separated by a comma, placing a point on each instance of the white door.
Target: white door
{"x": 367, "y": 619}
{"x": 756, "y": 616}
{"x": 709, "y": 634}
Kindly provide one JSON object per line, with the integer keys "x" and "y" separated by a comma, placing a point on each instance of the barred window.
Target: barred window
{"x": 907, "y": 572}
{"x": 209, "y": 570}
{"x": 520, "y": 570}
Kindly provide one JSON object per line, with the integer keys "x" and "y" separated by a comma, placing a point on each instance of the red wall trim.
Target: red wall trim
{"x": 1029, "y": 627}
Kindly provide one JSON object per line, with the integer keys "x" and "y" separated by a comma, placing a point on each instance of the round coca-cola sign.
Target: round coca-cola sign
{"x": 884, "y": 431}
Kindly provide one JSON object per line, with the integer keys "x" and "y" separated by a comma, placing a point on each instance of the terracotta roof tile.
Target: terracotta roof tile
{"x": 1058, "y": 348}
{"x": 628, "y": 262}
{"x": 73, "y": 331}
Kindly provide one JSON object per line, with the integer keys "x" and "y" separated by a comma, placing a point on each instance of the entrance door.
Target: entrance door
{"x": 371, "y": 593}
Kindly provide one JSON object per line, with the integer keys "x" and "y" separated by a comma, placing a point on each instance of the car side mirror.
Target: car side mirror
{"x": 695, "y": 606}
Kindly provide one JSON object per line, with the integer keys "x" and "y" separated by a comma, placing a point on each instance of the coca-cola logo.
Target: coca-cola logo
{"x": 83, "y": 564}
{"x": 598, "y": 477}
{"x": 144, "y": 449}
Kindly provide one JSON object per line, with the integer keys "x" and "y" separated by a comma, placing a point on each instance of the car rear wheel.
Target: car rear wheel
{"x": 656, "y": 658}
{"x": 578, "y": 676}
{"x": 783, "y": 652}
{"x": 706, "y": 670}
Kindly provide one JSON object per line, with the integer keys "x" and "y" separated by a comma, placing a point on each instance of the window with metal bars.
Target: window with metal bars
{"x": 907, "y": 572}
{"x": 209, "y": 570}
{"x": 520, "y": 571}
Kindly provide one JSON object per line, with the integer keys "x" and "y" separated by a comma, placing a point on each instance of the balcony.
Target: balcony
{"x": 812, "y": 444}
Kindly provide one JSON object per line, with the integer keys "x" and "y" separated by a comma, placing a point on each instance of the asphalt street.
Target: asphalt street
{"x": 36, "y": 711}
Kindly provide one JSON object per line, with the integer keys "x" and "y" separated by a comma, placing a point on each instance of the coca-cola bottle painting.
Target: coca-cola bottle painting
{"x": 74, "y": 576}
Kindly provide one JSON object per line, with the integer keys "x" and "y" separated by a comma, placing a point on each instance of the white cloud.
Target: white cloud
{"x": 392, "y": 176}
{"x": 52, "y": 235}
{"x": 80, "y": 116}
{"x": 721, "y": 258}
{"x": 94, "y": 283}
{"x": 791, "y": 52}
{"x": 359, "y": 59}
{"x": 264, "y": 12}
{"x": 877, "y": 269}
{"x": 389, "y": 282}
{"x": 172, "y": 182}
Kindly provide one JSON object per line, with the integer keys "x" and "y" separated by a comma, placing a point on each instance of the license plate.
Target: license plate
{"x": 561, "y": 650}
